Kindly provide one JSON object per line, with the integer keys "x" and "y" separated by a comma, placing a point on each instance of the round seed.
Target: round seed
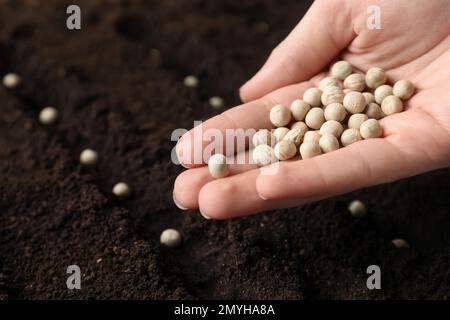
{"x": 88, "y": 157}
{"x": 328, "y": 143}
{"x": 313, "y": 136}
{"x": 285, "y": 150}
{"x": 341, "y": 69}
{"x": 350, "y": 136}
{"x": 375, "y": 77}
{"x": 331, "y": 127}
{"x": 356, "y": 120}
{"x": 191, "y": 81}
{"x": 216, "y": 102}
{"x": 11, "y": 80}
{"x": 48, "y": 115}
{"x": 354, "y": 102}
{"x": 369, "y": 97}
{"x": 373, "y": 110}
{"x": 355, "y": 82}
{"x": 315, "y": 118}
{"x": 280, "y": 115}
{"x": 300, "y": 125}
{"x": 170, "y": 238}
{"x": 309, "y": 149}
{"x": 121, "y": 190}
{"x": 403, "y": 89}
{"x": 370, "y": 129}
{"x": 335, "y": 111}
{"x": 299, "y": 109}
{"x": 312, "y": 97}
{"x": 218, "y": 166}
{"x": 328, "y": 82}
{"x": 332, "y": 95}
{"x": 263, "y": 136}
{"x": 391, "y": 105}
{"x": 279, "y": 133}
{"x": 264, "y": 155}
{"x": 357, "y": 209}
{"x": 295, "y": 135}
{"x": 382, "y": 92}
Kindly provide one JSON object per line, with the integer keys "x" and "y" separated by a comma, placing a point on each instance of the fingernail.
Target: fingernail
{"x": 176, "y": 203}
{"x": 204, "y": 215}
{"x": 179, "y": 155}
{"x": 262, "y": 197}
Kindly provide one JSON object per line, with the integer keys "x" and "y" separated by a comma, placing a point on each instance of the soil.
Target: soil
{"x": 119, "y": 97}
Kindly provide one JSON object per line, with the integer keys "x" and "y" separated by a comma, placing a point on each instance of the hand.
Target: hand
{"x": 413, "y": 44}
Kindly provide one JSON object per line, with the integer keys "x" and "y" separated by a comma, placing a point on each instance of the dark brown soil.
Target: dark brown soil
{"x": 116, "y": 96}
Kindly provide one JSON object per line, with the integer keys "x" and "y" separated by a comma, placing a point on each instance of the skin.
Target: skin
{"x": 410, "y": 45}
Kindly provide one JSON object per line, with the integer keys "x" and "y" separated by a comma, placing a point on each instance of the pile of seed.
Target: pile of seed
{"x": 344, "y": 109}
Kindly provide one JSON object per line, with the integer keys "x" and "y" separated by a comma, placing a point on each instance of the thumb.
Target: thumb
{"x": 325, "y": 30}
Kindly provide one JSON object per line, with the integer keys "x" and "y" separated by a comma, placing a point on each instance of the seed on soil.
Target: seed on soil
{"x": 218, "y": 166}
{"x": 341, "y": 69}
{"x": 370, "y": 129}
{"x": 312, "y": 96}
{"x": 48, "y": 115}
{"x": 315, "y": 118}
{"x": 191, "y": 81}
{"x": 328, "y": 143}
{"x": 403, "y": 89}
{"x": 121, "y": 190}
{"x": 391, "y": 105}
{"x": 356, "y": 120}
{"x": 299, "y": 109}
{"x": 382, "y": 92}
{"x": 280, "y": 115}
{"x": 354, "y": 102}
{"x": 263, "y": 136}
{"x": 88, "y": 157}
{"x": 285, "y": 150}
{"x": 355, "y": 82}
{"x": 170, "y": 238}
{"x": 375, "y": 77}
{"x": 350, "y": 136}
{"x": 309, "y": 149}
{"x": 357, "y": 209}
{"x": 11, "y": 80}
{"x": 264, "y": 155}
{"x": 216, "y": 102}
{"x": 400, "y": 243}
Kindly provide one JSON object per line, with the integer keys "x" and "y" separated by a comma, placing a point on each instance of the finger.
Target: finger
{"x": 325, "y": 30}
{"x": 361, "y": 164}
{"x": 192, "y": 147}
{"x": 188, "y": 184}
{"x": 236, "y": 196}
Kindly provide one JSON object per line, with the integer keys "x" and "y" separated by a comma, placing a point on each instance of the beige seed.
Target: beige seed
{"x": 300, "y": 125}
{"x": 391, "y": 105}
{"x": 295, "y": 135}
{"x": 357, "y": 209}
{"x": 403, "y": 89}
{"x": 355, "y": 82}
{"x": 331, "y": 127}
{"x": 328, "y": 143}
{"x": 341, "y": 69}
{"x": 350, "y": 136}
{"x": 88, "y": 157}
{"x": 279, "y": 133}
{"x": 218, "y": 166}
{"x": 263, "y": 136}
{"x": 280, "y": 115}
{"x": 312, "y": 135}
{"x": 191, "y": 81}
{"x": 375, "y": 77}
{"x": 369, "y": 97}
{"x": 285, "y": 150}
{"x": 373, "y": 111}
{"x": 121, "y": 190}
{"x": 370, "y": 129}
{"x": 382, "y": 92}
{"x": 354, "y": 102}
{"x": 309, "y": 149}
{"x": 263, "y": 155}
{"x": 314, "y": 118}
{"x": 400, "y": 243}
{"x": 355, "y": 120}
{"x": 170, "y": 238}
{"x": 312, "y": 97}
{"x": 216, "y": 102}
{"x": 299, "y": 109}
{"x": 11, "y": 80}
{"x": 332, "y": 95}
{"x": 48, "y": 115}
{"x": 335, "y": 111}
{"x": 328, "y": 82}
